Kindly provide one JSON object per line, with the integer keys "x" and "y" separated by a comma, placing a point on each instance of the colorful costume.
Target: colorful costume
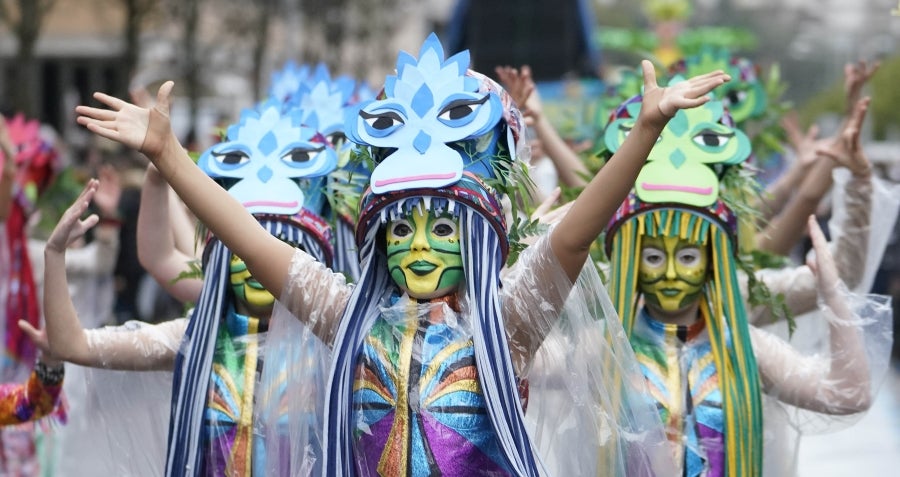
{"x": 36, "y": 164}
{"x": 275, "y": 167}
{"x": 438, "y": 385}
{"x": 707, "y": 380}
{"x": 37, "y": 398}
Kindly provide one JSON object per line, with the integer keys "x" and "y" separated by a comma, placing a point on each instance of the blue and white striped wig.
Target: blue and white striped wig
{"x": 194, "y": 361}
{"x": 483, "y": 245}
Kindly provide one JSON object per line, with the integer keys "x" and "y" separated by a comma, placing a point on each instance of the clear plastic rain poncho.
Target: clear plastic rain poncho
{"x": 710, "y": 380}
{"x": 525, "y": 375}
{"x": 863, "y": 212}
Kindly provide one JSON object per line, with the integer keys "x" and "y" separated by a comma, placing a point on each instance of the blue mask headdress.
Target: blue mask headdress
{"x": 425, "y": 121}
{"x": 275, "y": 168}
{"x": 323, "y": 102}
{"x": 287, "y": 81}
{"x": 442, "y": 137}
{"x": 265, "y": 157}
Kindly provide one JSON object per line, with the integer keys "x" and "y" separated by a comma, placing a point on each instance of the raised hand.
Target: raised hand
{"x": 823, "y": 267}
{"x": 661, "y": 103}
{"x": 143, "y": 129}
{"x": 520, "y": 85}
{"x": 805, "y": 144}
{"x": 39, "y": 339}
{"x": 856, "y": 75}
{"x": 846, "y": 149}
{"x": 108, "y": 192}
{"x": 71, "y": 227}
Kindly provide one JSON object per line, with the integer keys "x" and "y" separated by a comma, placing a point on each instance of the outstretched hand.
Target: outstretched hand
{"x": 108, "y": 192}
{"x": 805, "y": 144}
{"x": 846, "y": 150}
{"x": 143, "y": 129}
{"x": 39, "y": 338}
{"x": 520, "y": 85}
{"x": 823, "y": 267}
{"x": 661, "y": 103}
{"x": 71, "y": 227}
{"x": 856, "y": 75}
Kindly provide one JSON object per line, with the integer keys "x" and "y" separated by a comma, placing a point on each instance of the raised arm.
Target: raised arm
{"x": 838, "y": 384}
{"x": 521, "y": 87}
{"x": 149, "y": 131}
{"x": 64, "y": 336}
{"x": 572, "y": 238}
{"x": 156, "y": 241}
{"x": 804, "y": 145}
{"x": 786, "y": 229}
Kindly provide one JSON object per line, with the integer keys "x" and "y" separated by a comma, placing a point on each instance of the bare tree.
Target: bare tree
{"x": 136, "y": 13}
{"x": 25, "y": 23}
{"x": 260, "y": 44}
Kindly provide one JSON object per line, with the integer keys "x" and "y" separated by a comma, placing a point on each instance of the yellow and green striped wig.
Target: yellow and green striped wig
{"x": 722, "y": 309}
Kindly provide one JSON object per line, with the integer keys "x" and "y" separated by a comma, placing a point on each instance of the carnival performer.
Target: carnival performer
{"x": 427, "y": 349}
{"x": 674, "y": 281}
{"x": 35, "y": 165}
{"x": 216, "y": 354}
{"x": 33, "y": 159}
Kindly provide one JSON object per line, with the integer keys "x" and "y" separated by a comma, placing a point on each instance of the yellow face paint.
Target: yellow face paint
{"x": 423, "y": 254}
{"x": 672, "y": 272}
{"x": 246, "y": 289}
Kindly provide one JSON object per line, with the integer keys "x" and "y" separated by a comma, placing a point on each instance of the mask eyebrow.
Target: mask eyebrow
{"x": 463, "y": 102}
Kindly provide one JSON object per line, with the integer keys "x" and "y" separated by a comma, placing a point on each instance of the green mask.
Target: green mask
{"x": 246, "y": 289}
{"x": 423, "y": 254}
{"x": 672, "y": 272}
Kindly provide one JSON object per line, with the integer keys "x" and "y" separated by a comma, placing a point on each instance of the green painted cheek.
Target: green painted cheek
{"x": 448, "y": 250}
{"x": 397, "y": 250}
{"x": 453, "y": 273}
{"x": 239, "y": 293}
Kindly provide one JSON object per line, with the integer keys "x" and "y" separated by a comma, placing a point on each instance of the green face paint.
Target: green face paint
{"x": 246, "y": 289}
{"x": 424, "y": 256}
{"x": 672, "y": 272}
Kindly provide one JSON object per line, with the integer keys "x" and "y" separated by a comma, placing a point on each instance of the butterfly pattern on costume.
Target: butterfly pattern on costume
{"x": 229, "y": 413}
{"x": 418, "y": 404}
{"x": 681, "y": 395}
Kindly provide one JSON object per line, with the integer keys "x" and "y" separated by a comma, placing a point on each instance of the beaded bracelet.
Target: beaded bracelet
{"x": 49, "y": 376}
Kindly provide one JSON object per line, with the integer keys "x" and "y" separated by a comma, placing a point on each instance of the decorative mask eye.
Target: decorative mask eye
{"x": 710, "y": 138}
{"x": 336, "y": 138}
{"x": 455, "y": 112}
{"x": 734, "y": 97}
{"x": 626, "y": 130}
{"x": 443, "y": 228}
{"x": 688, "y": 256}
{"x": 231, "y": 158}
{"x": 382, "y": 121}
{"x": 299, "y": 155}
{"x": 401, "y": 229}
{"x": 653, "y": 257}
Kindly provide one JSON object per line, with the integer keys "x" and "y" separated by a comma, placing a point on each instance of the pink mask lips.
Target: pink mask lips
{"x": 423, "y": 177}
{"x": 270, "y": 203}
{"x": 676, "y": 188}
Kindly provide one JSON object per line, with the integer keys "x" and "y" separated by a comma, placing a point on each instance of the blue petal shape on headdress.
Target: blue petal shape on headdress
{"x": 276, "y": 164}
